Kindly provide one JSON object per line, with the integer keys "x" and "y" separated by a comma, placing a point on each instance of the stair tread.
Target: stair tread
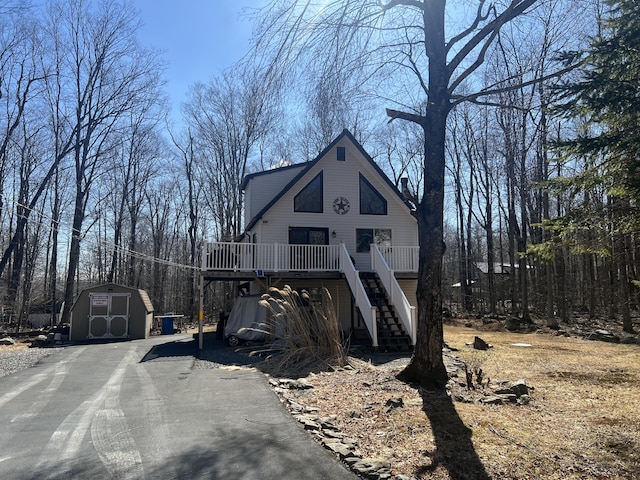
{"x": 391, "y": 332}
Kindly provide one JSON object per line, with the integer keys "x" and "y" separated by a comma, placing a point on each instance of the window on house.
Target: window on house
{"x": 342, "y": 155}
{"x": 309, "y": 199}
{"x": 366, "y": 236}
{"x": 371, "y": 201}
{"x": 308, "y": 236}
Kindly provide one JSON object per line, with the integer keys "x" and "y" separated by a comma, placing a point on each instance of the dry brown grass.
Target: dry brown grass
{"x": 12, "y": 348}
{"x": 583, "y": 421}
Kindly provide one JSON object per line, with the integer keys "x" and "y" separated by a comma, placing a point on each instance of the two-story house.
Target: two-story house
{"x": 336, "y": 222}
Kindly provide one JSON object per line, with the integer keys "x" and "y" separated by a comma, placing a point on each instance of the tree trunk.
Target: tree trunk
{"x": 491, "y": 259}
{"x": 623, "y": 283}
{"x": 427, "y": 366}
{"x": 590, "y": 260}
{"x": 468, "y": 257}
{"x": 465, "y": 285}
{"x": 74, "y": 256}
{"x": 523, "y": 237}
{"x": 133, "y": 278}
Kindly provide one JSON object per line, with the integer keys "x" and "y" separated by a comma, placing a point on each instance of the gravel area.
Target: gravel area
{"x": 13, "y": 360}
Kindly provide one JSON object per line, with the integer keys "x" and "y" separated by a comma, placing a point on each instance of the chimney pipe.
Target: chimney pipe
{"x": 404, "y": 182}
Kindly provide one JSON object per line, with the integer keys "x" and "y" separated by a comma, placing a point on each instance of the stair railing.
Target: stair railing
{"x": 398, "y": 299}
{"x": 369, "y": 312}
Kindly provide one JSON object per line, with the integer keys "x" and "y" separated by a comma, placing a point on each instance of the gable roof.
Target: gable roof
{"x": 309, "y": 165}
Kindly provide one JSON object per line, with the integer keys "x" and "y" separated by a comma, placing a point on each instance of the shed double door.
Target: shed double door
{"x": 109, "y": 315}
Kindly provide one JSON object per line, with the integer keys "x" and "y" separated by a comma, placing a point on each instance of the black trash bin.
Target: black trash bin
{"x": 222, "y": 320}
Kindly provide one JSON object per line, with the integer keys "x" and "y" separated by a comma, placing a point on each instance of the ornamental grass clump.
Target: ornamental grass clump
{"x": 308, "y": 331}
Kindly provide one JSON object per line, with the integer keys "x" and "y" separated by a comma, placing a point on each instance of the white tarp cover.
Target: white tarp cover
{"x": 247, "y": 320}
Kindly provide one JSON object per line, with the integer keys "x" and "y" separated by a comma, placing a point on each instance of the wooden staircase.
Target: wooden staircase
{"x": 392, "y": 335}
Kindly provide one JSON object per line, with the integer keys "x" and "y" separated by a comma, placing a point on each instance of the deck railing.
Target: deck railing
{"x": 275, "y": 257}
{"x": 400, "y": 258}
{"x": 262, "y": 257}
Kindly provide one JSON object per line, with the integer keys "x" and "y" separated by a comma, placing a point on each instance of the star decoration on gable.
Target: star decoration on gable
{"x": 341, "y": 205}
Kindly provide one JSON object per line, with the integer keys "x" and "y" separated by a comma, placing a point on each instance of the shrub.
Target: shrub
{"x": 309, "y": 333}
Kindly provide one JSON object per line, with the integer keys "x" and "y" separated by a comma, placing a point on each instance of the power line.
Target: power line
{"x": 110, "y": 245}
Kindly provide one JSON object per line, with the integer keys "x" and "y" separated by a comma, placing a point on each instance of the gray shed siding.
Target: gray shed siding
{"x": 140, "y": 312}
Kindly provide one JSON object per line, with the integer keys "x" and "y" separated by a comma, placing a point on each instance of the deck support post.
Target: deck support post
{"x": 201, "y": 313}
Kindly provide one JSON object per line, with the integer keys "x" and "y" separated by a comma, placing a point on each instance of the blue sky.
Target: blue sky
{"x": 199, "y": 38}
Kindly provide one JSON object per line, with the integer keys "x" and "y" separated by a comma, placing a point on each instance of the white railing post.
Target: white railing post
{"x": 205, "y": 256}
{"x": 374, "y": 329}
{"x": 276, "y": 257}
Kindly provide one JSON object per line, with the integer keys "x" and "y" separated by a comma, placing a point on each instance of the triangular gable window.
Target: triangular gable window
{"x": 309, "y": 199}
{"x": 371, "y": 201}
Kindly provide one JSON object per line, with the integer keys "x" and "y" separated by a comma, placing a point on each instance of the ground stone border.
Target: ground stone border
{"x": 330, "y": 436}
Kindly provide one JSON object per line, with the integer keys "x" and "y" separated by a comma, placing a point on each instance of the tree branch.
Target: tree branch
{"x": 479, "y": 18}
{"x": 411, "y": 117}
{"x": 475, "y": 65}
{"x": 516, "y": 8}
{"x": 457, "y": 99}
{"x": 416, "y": 70}
{"x": 395, "y": 3}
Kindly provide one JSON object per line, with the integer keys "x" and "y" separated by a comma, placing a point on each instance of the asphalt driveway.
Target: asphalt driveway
{"x": 141, "y": 410}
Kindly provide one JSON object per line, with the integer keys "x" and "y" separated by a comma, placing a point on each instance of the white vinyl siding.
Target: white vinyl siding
{"x": 261, "y": 189}
{"x": 410, "y": 288}
{"x": 341, "y": 179}
{"x": 340, "y": 295}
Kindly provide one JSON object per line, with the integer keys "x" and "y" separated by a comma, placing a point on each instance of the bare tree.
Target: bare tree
{"x": 228, "y": 117}
{"x": 194, "y": 194}
{"x": 160, "y": 210}
{"x": 398, "y": 148}
{"x": 405, "y": 42}
{"x": 21, "y": 75}
{"x": 135, "y": 162}
{"x": 108, "y": 73}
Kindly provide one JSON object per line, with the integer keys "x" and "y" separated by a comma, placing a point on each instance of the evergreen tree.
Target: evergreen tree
{"x": 607, "y": 100}
{"x": 605, "y": 103}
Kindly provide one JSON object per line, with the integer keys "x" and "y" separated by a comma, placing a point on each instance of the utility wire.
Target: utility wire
{"x": 110, "y": 245}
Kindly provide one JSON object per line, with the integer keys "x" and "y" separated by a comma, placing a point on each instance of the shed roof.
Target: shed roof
{"x": 144, "y": 296}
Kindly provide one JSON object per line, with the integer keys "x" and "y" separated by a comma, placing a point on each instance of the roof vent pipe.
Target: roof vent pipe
{"x": 404, "y": 182}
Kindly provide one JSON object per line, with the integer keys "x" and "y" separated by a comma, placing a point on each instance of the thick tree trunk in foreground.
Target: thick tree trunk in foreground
{"x": 450, "y": 62}
{"x": 427, "y": 365}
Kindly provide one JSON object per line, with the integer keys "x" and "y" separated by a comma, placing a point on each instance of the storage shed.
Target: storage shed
{"x": 111, "y": 311}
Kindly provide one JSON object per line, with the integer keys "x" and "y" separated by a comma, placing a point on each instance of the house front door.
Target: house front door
{"x": 303, "y": 257}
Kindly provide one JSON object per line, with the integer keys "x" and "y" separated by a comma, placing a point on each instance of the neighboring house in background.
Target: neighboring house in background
{"x": 336, "y": 222}
{"x": 503, "y": 274}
